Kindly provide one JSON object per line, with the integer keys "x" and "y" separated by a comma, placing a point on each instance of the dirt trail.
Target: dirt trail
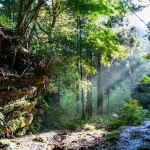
{"x": 61, "y": 140}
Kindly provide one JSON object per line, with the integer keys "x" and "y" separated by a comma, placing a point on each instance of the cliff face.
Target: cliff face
{"x": 21, "y": 82}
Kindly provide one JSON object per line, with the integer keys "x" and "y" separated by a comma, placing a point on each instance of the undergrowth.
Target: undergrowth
{"x": 54, "y": 118}
{"x": 132, "y": 114}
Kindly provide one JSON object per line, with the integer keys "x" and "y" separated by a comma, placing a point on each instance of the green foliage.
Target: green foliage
{"x": 147, "y": 57}
{"x": 65, "y": 117}
{"x": 85, "y": 7}
{"x": 69, "y": 104}
{"x": 99, "y": 122}
{"x": 88, "y": 126}
{"x": 36, "y": 125}
{"x": 52, "y": 115}
{"x": 145, "y": 80}
{"x": 59, "y": 26}
{"x": 132, "y": 114}
{"x": 118, "y": 96}
{"x": 21, "y": 132}
{"x": 103, "y": 41}
{"x": 72, "y": 124}
{"x": 112, "y": 135}
{"x": 142, "y": 94}
{"x": 16, "y": 123}
{"x": 5, "y": 22}
{"x": 115, "y": 123}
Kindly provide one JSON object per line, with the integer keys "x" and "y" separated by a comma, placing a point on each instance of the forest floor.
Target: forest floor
{"x": 61, "y": 140}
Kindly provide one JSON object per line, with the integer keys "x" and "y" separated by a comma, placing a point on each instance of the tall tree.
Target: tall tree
{"x": 89, "y": 79}
{"x": 99, "y": 87}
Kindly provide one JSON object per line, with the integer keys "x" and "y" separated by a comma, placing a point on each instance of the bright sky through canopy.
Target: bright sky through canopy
{"x": 144, "y": 15}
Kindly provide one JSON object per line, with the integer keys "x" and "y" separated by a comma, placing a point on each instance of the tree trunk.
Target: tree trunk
{"x": 26, "y": 16}
{"x": 81, "y": 70}
{"x": 77, "y": 92}
{"x": 131, "y": 71}
{"x": 108, "y": 102}
{"x": 82, "y": 95}
{"x": 131, "y": 75}
{"x": 77, "y": 84}
{"x": 99, "y": 88}
{"x": 89, "y": 93}
{"x": 83, "y": 112}
{"x": 89, "y": 99}
{"x": 58, "y": 99}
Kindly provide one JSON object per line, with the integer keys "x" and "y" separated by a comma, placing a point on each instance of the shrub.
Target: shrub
{"x": 36, "y": 125}
{"x": 132, "y": 114}
{"x": 115, "y": 123}
{"x": 72, "y": 124}
{"x": 112, "y": 135}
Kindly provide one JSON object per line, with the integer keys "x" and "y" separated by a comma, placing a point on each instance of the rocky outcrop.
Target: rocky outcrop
{"x": 135, "y": 137}
{"x": 17, "y": 103}
{"x": 21, "y": 82}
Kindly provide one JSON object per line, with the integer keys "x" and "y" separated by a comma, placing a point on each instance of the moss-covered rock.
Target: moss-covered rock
{"x": 18, "y": 113}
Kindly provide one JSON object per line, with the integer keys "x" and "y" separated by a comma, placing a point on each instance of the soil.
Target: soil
{"x": 62, "y": 140}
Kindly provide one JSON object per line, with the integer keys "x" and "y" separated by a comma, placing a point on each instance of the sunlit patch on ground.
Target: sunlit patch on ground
{"x": 61, "y": 140}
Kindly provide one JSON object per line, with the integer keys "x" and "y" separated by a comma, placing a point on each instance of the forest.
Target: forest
{"x": 74, "y": 75}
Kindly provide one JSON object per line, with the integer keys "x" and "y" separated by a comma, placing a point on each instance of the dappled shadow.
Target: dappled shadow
{"x": 64, "y": 140}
